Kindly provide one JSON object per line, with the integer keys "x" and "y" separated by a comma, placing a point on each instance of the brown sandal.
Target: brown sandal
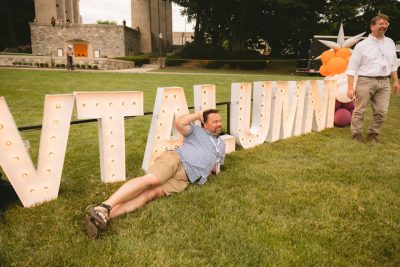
{"x": 96, "y": 220}
{"x": 91, "y": 229}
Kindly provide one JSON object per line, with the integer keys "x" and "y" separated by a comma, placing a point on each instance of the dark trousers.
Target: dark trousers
{"x": 70, "y": 63}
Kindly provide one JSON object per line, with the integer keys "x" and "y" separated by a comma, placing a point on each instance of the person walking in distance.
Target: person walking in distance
{"x": 373, "y": 61}
{"x": 70, "y": 58}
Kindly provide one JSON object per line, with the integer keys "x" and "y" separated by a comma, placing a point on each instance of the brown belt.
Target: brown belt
{"x": 375, "y": 77}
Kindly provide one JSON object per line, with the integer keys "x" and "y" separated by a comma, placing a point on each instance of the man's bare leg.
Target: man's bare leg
{"x": 137, "y": 202}
{"x": 130, "y": 190}
{"x": 131, "y": 195}
{"x": 133, "y": 188}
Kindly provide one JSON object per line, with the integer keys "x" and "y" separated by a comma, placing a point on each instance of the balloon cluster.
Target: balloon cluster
{"x": 334, "y": 62}
{"x": 343, "y": 113}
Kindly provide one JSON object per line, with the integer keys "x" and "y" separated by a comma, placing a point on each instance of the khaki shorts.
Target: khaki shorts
{"x": 168, "y": 168}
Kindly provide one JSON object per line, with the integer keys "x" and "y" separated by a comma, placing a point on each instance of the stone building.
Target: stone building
{"x": 88, "y": 40}
{"x": 58, "y": 24}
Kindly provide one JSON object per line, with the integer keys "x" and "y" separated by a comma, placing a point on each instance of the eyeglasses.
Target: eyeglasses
{"x": 383, "y": 23}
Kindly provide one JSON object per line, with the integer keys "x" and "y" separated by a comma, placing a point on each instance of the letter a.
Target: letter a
{"x": 170, "y": 102}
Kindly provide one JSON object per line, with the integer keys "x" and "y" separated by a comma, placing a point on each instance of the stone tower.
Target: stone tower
{"x": 59, "y": 9}
{"x": 153, "y": 18}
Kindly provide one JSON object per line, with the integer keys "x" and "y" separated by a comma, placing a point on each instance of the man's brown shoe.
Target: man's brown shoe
{"x": 373, "y": 138}
{"x": 358, "y": 138}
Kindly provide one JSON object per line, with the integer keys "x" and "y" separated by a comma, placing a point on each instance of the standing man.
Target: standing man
{"x": 202, "y": 153}
{"x": 70, "y": 58}
{"x": 373, "y": 61}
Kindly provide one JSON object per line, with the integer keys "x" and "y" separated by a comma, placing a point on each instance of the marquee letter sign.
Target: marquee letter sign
{"x": 170, "y": 103}
{"x": 245, "y": 135}
{"x": 110, "y": 108}
{"x": 287, "y": 111}
{"x": 316, "y": 106}
{"x": 280, "y": 110}
{"x": 36, "y": 186}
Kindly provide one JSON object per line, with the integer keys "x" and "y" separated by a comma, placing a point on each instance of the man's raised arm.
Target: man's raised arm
{"x": 182, "y": 123}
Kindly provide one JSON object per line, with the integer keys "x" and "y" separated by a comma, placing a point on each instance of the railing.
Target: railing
{"x": 39, "y": 126}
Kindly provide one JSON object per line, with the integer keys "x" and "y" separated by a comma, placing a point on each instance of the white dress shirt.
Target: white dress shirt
{"x": 373, "y": 57}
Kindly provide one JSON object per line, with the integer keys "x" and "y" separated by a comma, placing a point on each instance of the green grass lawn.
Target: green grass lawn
{"x": 314, "y": 200}
{"x": 275, "y": 66}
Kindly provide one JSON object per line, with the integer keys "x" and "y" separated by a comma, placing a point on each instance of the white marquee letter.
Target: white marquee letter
{"x": 170, "y": 103}
{"x": 316, "y": 107}
{"x": 332, "y": 85}
{"x": 36, "y": 186}
{"x": 245, "y": 135}
{"x": 287, "y": 111}
{"x": 110, "y": 108}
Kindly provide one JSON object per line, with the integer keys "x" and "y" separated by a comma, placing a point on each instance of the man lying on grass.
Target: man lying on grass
{"x": 202, "y": 153}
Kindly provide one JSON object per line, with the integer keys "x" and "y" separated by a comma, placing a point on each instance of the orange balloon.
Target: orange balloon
{"x": 336, "y": 65}
{"x": 326, "y": 56}
{"x": 323, "y": 70}
{"x": 343, "y": 52}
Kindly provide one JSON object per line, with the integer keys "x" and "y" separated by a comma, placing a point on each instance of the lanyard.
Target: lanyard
{"x": 215, "y": 145}
{"x": 218, "y": 163}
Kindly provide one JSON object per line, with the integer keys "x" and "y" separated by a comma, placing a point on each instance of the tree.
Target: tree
{"x": 106, "y": 22}
{"x": 287, "y": 25}
{"x": 14, "y": 22}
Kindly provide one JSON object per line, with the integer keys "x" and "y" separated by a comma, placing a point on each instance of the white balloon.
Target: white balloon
{"x": 341, "y": 94}
{"x": 341, "y": 81}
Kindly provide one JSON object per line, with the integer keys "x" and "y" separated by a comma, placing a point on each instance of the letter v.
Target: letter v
{"x": 36, "y": 186}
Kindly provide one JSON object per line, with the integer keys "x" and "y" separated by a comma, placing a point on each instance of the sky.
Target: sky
{"x": 118, "y": 10}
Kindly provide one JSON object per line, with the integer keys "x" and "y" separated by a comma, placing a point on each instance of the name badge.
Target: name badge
{"x": 217, "y": 167}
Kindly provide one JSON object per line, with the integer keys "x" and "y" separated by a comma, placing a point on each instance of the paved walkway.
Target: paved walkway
{"x": 131, "y": 70}
{"x": 134, "y": 70}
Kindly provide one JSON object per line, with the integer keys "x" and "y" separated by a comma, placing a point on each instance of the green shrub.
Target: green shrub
{"x": 139, "y": 60}
{"x": 63, "y": 65}
{"x": 214, "y": 64}
{"x": 199, "y": 51}
{"x": 193, "y": 51}
{"x": 41, "y": 65}
{"x": 96, "y": 67}
{"x": 174, "y": 60}
{"x": 248, "y": 59}
{"x": 89, "y": 66}
{"x": 107, "y": 22}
